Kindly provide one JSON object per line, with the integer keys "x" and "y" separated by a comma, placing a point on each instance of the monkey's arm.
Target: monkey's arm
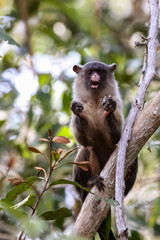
{"x": 113, "y": 118}
{"x": 79, "y": 123}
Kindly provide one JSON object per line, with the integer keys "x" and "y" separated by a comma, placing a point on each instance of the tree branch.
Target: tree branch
{"x": 94, "y": 211}
{"x": 137, "y": 105}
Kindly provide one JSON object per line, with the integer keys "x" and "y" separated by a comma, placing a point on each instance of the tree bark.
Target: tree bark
{"x": 94, "y": 211}
{"x": 150, "y": 73}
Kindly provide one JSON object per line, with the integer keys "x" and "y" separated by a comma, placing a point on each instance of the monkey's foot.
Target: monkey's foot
{"x": 77, "y": 109}
{"x": 96, "y": 181}
{"x": 109, "y": 105}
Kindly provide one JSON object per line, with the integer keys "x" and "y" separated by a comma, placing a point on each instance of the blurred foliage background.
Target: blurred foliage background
{"x": 36, "y": 90}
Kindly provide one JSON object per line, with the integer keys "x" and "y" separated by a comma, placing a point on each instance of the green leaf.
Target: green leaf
{"x": 64, "y": 181}
{"x": 55, "y": 155}
{"x": 65, "y": 154}
{"x": 58, "y": 213}
{"x": 4, "y": 36}
{"x": 28, "y": 201}
{"x": 34, "y": 227}
{"x": 17, "y": 190}
{"x": 87, "y": 189}
{"x": 16, "y": 213}
{"x": 105, "y": 227}
{"x": 135, "y": 235}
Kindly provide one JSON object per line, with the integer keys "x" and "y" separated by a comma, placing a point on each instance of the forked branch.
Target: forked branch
{"x": 137, "y": 105}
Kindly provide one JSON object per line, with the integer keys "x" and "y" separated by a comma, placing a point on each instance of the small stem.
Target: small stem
{"x": 144, "y": 69}
{"x": 50, "y": 154}
{"x": 20, "y": 237}
{"x": 49, "y": 175}
{"x": 45, "y": 186}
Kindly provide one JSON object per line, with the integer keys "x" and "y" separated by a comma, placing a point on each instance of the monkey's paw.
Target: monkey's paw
{"x": 77, "y": 108}
{"x": 109, "y": 105}
{"x": 96, "y": 181}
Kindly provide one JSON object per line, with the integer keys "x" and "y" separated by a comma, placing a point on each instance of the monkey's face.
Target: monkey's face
{"x": 95, "y": 75}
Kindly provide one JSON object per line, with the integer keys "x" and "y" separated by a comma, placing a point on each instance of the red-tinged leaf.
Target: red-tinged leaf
{"x": 11, "y": 180}
{"x": 83, "y": 165}
{"x": 16, "y": 181}
{"x": 60, "y": 139}
{"x": 11, "y": 162}
{"x": 35, "y": 150}
{"x": 43, "y": 139}
{"x": 49, "y": 133}
{"x": 42, "y": 169}
{"x": 60, "y": 151}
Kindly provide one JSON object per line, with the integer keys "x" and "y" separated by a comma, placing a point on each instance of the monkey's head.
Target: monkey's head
{"x": 95, "y": 75}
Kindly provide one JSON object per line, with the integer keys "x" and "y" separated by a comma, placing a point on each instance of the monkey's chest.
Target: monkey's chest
{"x": 97, "y": 127}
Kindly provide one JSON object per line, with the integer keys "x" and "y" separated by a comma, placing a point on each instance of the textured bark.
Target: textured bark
{"x": 94, "y": 211}
{"x": 122, "y": 146}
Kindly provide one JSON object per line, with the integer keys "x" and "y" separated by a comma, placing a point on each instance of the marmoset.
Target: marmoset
{"x": 96, "y": 122}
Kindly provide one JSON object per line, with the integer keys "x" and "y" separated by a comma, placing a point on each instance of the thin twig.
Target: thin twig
{"x": 122, "y": 146}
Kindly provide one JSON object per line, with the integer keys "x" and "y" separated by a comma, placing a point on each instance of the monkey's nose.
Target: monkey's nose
{"x": 95, "y": 77}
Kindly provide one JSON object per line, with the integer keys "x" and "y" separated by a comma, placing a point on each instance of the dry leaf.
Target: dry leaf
{"x": 35, "y": 150}
{"x": 60, "y": 150}
{"x": 11, "y": 162}
{"x": 43, "y": 139}
{"x": 83, "y": 165}
{"x": 49, "y": 133}
{"x": 15, "y": 181}
{"x": 42, "y": 169}
{"x": 60, "y": 139}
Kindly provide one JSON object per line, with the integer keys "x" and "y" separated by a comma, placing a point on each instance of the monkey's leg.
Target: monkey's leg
{"x": 88, "y": 178}
{"x": 80, "y": 175}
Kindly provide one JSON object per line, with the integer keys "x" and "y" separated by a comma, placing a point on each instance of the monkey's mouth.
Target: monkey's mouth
{"x": 95, "y": 84}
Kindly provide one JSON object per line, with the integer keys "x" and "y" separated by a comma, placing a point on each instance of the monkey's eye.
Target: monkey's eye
{"x": 101, "y": 71}
{"x": 89, "y": 72}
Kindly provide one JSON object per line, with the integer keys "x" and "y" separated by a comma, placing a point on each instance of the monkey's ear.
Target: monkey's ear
{"x": 77, "y": 68}
{"x": 112, "y": 67}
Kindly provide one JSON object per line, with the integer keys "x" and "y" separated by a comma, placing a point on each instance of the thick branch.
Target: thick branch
{"x": 94, "y": 211}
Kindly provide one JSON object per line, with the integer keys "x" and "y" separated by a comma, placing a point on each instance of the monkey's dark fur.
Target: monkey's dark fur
{"x": 97, "y": 121}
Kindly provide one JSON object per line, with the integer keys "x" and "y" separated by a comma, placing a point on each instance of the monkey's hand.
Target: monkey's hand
{"x": 96, "y": 181}
{"x": 109, "y": 105}
{"x": 77, "y": 109}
